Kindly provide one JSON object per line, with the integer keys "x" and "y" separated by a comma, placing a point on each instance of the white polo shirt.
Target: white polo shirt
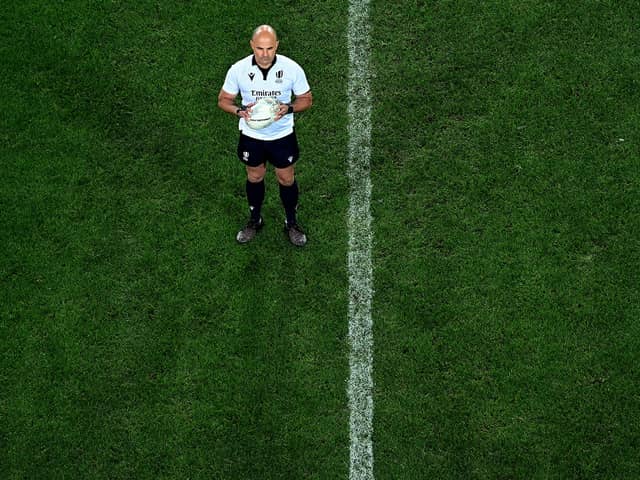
{"x": 282, "y": 79}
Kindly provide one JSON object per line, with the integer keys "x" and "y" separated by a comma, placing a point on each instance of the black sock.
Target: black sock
{"x": 289, "y": 197}
{"x": 255, "y": 196}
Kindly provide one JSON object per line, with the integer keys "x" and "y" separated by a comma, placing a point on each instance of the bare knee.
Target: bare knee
{"x": 256, "y": 174}
{"x": 286, "y": 176}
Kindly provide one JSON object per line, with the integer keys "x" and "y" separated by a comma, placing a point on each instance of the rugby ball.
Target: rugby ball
{"x": 263, "y": 113}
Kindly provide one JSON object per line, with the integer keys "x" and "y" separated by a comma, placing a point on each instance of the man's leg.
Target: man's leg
{"x": 255, "y": 190}
{"x": 289, "y": 194}
{"x": 255, "y": 197}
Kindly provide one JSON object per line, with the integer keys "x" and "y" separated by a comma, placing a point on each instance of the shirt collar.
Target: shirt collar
{"x": 253, "y": 61}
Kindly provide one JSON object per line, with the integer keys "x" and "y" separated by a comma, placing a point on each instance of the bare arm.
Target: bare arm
{"x": 301, "y": 103}
{"x": 227, "y": 103}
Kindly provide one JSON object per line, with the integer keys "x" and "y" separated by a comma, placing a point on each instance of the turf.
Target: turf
{"x": 138, "y": 340}
{"x": 507, "y": 252}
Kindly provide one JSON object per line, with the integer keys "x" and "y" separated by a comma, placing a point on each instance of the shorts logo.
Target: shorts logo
{"x": 290, "y": 159}
{"x": 245, "y": 156}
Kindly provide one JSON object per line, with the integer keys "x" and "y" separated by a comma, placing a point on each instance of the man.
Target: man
{"x": 265, "y": 74}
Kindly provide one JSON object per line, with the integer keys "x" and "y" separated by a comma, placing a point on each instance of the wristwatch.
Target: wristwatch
{"x": 290, "y": 109}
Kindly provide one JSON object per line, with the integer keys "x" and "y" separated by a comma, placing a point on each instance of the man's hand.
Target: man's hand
{"x": 227, "y": 103}
{"x": 302, "y": 102}
{"x": 246, "y": 111}
{"x": 283, "y": 109}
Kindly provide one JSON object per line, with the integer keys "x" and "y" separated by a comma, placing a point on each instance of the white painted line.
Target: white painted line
{"x": 360, "y": 385}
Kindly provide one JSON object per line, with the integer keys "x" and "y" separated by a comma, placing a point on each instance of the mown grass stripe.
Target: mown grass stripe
{"x": 360, "y": 385}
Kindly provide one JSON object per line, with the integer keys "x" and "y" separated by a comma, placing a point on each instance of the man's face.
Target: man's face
{"x": 264, "y": 46}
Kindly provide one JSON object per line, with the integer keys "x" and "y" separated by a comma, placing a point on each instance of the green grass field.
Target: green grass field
{"x": 139, "y": 341}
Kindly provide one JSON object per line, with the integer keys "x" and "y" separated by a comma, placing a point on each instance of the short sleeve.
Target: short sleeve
{"x": 300, "y": 85}
{"x": 231, "y": 82}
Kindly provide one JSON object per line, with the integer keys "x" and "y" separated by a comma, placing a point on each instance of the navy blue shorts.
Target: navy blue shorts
{"x": 280, "y": 153}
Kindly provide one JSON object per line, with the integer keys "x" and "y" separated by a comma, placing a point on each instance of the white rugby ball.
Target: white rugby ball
{"x": 263, "y": 113}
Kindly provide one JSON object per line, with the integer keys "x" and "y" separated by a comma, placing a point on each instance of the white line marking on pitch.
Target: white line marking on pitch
{"x": 360, "y": 386}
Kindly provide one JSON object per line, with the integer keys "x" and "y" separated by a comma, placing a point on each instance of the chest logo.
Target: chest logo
{"x": 279, "y": 75}
{"x": 251, "y": 75}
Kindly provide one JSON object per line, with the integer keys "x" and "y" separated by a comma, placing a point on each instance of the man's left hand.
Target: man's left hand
{"x": 282, "y": 111}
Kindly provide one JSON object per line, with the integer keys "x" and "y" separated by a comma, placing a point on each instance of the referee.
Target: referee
{"x": 265, "y": 74}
